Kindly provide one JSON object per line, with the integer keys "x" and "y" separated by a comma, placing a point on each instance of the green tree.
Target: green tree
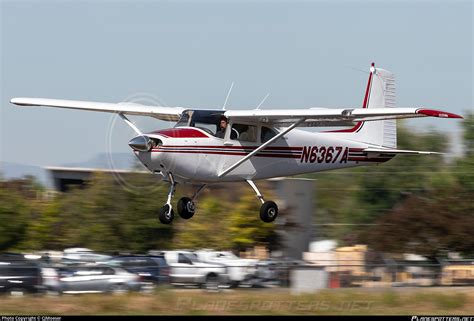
{"x": 427, "y": 226}
{"x": 464, "y": 167}
{"x": 468, "y": 133}
{"x": 107, "y": 216}
{"x": 14, "y": 212}
{"x": 352, "y": 198}
{"x": 245, "y": 227}
{"x": 207, "y": 229}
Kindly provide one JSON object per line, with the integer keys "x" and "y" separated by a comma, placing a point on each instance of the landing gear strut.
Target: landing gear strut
{"x": 268, "y": 210}
{"x": 166, "y": 213}
{"x": 186, "y": 207}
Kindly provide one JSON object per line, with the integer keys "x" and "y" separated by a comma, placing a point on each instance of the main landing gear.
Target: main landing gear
{"x": 186, "y": 207}
{"x": 268, "y": 210}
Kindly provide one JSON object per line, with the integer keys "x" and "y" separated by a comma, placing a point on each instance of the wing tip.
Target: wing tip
{"x": 437, "y": 113}
{"x": 15, "y": 100}
{"x": 20, "y": 101}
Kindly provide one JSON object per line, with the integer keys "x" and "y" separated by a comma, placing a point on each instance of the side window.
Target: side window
{"x": 267, "y": 134}
{"x": 183, "y": 259}
{"x": 244, "y": 133}
{"x": 107, "y": 271}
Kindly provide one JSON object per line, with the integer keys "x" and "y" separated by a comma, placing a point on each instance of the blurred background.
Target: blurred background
{"x": 79, "y": 214}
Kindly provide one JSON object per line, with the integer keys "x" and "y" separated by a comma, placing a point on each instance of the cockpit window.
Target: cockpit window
{"x": 245, "y": 133}
{"x": 207, "y": 120}
{"x": 184, "y": 119}
{"x": 267, "y": 134}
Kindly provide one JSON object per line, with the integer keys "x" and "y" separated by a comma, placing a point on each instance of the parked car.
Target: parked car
{"x": 19, "y": 276}
{"x": 97, "y": 279}
{"x": 152, "y": 268}
{"x": 51, "y": 282}
{"x": 271, "y": 272}
{"x": 186, "y": 269}
{"x": 240, "y": 271}
{"x": 76, "y": 256}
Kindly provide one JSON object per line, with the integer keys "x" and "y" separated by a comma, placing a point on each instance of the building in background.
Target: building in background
{"x": 296, "y": 199}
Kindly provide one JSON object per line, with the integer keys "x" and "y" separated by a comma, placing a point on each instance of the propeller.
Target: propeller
{"x": 140, "y": 143}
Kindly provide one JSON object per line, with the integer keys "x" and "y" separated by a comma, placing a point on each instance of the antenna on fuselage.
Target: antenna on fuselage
{"x": 263, "y": 100}
{"x": 228, "y": 94}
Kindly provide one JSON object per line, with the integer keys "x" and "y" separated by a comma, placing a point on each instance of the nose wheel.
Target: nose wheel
{"x": 166, "y": 214}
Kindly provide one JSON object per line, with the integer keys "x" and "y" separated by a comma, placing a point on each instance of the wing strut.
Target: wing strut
{"x": 274, "y": 138}
{"x": 129, "y": 123}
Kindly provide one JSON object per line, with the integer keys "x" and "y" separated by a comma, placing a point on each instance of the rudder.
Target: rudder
{"x": 380, "y": 93}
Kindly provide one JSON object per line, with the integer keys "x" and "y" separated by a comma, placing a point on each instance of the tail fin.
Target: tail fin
{"x": 380, "y": 93}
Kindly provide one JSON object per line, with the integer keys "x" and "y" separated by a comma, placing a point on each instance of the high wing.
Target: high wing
{"x": 163, "y": 113}
{"x": 321, "y": 117}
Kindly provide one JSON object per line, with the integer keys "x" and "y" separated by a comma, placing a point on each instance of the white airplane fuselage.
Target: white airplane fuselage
{"x": 192, "y": 155}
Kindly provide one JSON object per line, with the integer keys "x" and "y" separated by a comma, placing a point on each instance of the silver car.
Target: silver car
{"x": 97, "y": 279}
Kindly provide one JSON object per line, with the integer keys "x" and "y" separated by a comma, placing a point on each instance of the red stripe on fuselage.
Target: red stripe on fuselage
{"x": 226, "y": 153}
{"x": 235, "y": 147}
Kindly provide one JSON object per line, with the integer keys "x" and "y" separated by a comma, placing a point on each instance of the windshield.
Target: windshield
{"x": 207, "y": 120}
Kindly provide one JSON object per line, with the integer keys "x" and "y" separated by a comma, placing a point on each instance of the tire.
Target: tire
{"x": 166, "y": 214}
{"x": 186, "y": 208}
{"x": 268, "y": 211}
{"x": 118, "y": 289}
{"x": 212, "y": 283}
{"x": 53, "y": 292}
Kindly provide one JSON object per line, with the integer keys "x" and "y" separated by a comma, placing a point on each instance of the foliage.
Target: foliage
{"x": 428, "y": 226}
{"x": 13, "y": 215}
{"x": 246, "y": 228}
{"x": 207, "y": 228}
{"x": 222, "y": 224}
{"x": 354, "y": 199}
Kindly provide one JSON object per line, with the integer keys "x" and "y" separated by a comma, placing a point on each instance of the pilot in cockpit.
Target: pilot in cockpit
{"x": 222, "y": 127}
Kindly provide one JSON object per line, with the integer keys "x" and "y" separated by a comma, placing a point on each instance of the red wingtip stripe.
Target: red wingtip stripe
{"x": 437, "y": 113}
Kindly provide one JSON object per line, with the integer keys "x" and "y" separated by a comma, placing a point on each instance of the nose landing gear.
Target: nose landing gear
{"x": 166, "y": 213}
{"x": 186, "y": 207}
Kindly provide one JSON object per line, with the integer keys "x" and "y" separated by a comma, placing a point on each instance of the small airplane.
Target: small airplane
{"x": 216, "y": 145}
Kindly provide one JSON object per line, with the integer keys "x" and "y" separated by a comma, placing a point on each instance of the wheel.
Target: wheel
{"x": 212, "y": 283}
{"x": 166, "y": 214}
{"x": 268, "y": 211}
{"x": 118, "y": 289}
{"x": 186, "y": 208}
